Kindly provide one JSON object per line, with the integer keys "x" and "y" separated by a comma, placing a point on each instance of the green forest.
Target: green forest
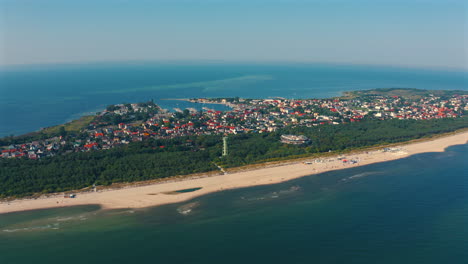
{"x": 154, "y": 159}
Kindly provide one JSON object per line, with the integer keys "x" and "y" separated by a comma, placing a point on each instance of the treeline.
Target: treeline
{"x": 153, "y": 159}
{"x": 255, "y": 148}
{"x": 12, "y": 139}
{"x": 137, "y": 162}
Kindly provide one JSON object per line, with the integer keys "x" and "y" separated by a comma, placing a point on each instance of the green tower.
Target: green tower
{"x": 225, "y": 146}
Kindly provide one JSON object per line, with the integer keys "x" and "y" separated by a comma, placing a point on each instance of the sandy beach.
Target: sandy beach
{"x": 164, "y": 193}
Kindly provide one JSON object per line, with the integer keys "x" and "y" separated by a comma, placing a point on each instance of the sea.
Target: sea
{"x": 412, "y": 210}
{"x": 38, "y": 96}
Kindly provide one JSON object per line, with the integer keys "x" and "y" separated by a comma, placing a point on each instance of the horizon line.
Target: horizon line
{"x": 213, "y": 61}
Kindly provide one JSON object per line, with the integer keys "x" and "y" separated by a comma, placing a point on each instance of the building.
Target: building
{"x": 294, "y": 139}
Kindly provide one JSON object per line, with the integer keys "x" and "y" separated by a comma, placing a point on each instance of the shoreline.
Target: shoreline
{"x": 160, "y": 193}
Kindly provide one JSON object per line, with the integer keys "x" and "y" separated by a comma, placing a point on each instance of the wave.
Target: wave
{"x": 360, "y": 175}
{"x": 70, "y": 218}
{"x": 121, "y": 212}
{"x": 54, "y": 226}
{"x": 273, "y": 195}
{"x": 187, "y": 208}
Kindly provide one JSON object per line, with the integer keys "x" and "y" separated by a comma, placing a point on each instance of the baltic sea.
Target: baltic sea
{"x": 413, "y": 210}
{"x": 40, "y": 96}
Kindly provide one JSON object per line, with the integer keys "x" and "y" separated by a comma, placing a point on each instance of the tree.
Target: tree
{"x": 112, "y": 108}
{"x": 116, "y": 119}
{"x": 62, "y": 131}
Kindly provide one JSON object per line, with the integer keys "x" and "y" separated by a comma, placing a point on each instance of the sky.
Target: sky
{"x": 411, "y": 33}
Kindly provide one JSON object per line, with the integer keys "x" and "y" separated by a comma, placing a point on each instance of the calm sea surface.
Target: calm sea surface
{"x": 41, "y": 96}
{"x": 413, "y": 210}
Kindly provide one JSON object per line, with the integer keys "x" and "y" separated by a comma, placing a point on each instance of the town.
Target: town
{"x": 124, "y": 123}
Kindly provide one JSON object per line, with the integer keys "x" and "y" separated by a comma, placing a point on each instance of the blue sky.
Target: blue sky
{"x": 413, "y": 33}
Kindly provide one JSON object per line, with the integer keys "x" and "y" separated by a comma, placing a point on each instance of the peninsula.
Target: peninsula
{"x": 140, "y": 144}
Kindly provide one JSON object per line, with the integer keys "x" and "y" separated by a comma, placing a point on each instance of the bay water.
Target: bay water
{"x": 34, "y": 97}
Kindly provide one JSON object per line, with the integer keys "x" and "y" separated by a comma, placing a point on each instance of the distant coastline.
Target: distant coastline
{"x": 58, "y": 92}
{"x": 134, "y": 196}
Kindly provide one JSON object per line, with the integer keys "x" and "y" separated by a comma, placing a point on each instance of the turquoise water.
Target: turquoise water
{"x": 40, "y": 96}
{"x": 413, "y": 210}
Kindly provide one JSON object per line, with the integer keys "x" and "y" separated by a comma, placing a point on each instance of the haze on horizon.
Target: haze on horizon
{"x": 411, "y": 33}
